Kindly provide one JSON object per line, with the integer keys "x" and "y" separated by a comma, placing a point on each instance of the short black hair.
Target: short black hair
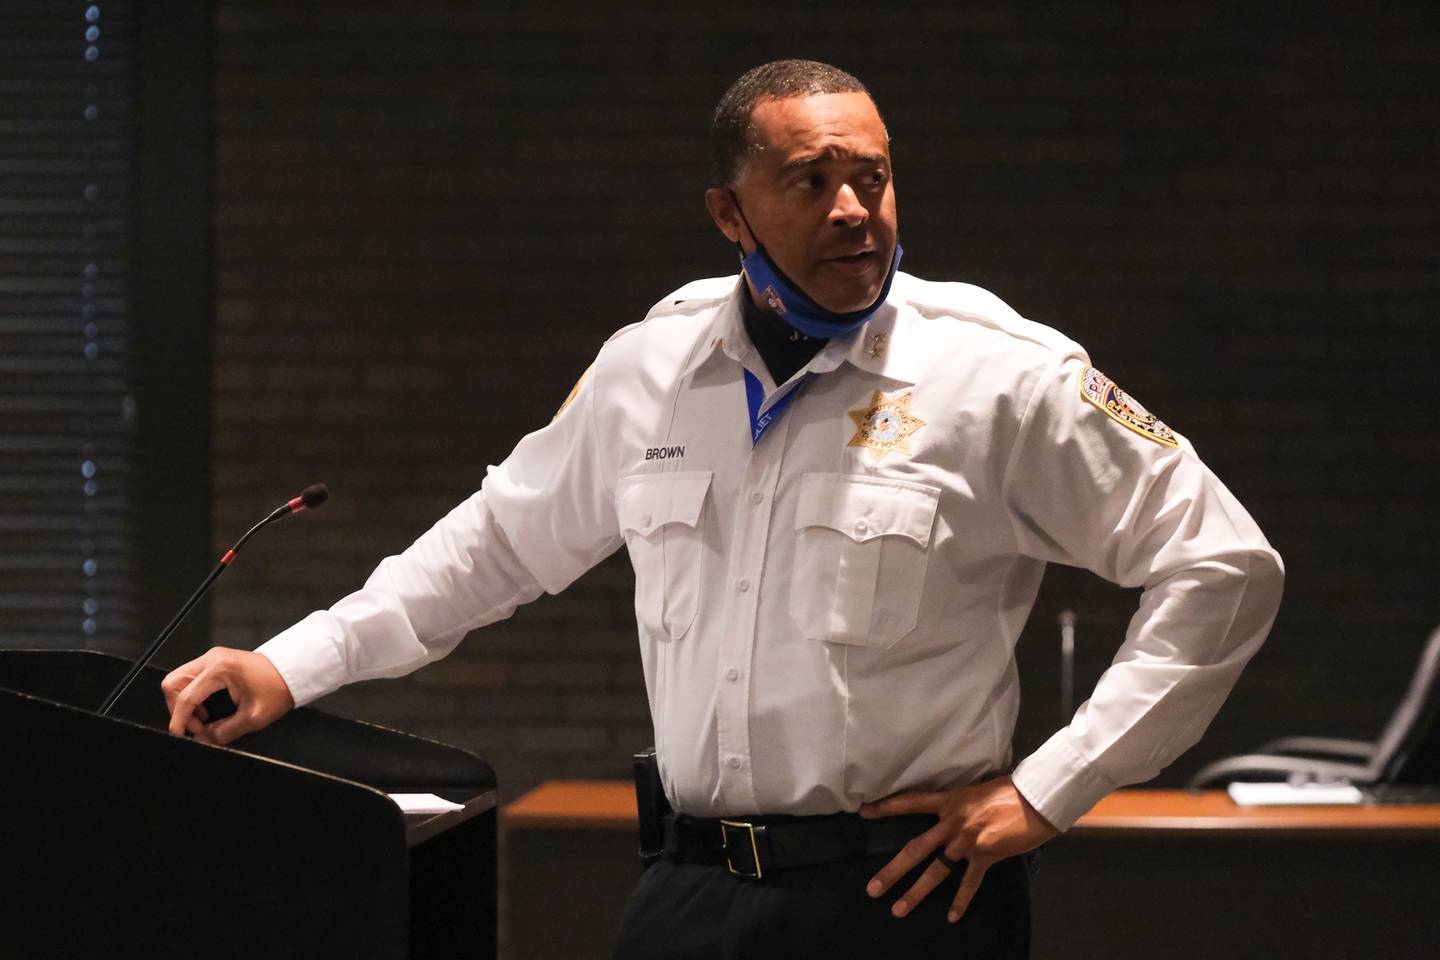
{"x": 732, "y": 135}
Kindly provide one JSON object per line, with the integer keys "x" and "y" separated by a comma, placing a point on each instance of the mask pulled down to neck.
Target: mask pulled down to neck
{"x": 794, "y": 305}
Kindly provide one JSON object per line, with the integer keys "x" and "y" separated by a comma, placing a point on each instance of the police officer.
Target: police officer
{"x": 839, "y": 486}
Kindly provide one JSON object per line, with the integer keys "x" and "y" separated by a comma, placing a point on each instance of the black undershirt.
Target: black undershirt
{"x": 783, "y": 348}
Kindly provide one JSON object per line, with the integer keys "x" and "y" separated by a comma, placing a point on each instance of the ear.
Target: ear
{"x": 722, "y": 210}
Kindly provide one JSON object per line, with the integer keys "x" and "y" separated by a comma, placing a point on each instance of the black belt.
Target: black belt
{"x": 752, "y": 847}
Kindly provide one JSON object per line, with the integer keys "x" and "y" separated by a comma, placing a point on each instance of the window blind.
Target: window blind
{"x": 66, "y": 402}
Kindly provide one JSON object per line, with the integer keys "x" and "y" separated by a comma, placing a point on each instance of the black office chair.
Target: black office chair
{"x": 1408, "y": 751}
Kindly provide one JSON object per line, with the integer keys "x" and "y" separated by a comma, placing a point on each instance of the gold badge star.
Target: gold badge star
{"x": 885, "y": 425}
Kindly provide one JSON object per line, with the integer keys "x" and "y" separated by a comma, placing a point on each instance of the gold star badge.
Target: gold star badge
{"x": 885, "y": 425}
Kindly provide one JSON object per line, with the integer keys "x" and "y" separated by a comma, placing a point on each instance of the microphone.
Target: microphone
{"x": 217, "y": 704}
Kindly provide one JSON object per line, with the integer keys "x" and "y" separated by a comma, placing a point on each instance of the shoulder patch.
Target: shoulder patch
{"x": 1107, "y": 395}
{"x": 573, "y": 391}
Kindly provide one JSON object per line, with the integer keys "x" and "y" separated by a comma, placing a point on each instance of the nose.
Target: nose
{"x": 848, "y": 210}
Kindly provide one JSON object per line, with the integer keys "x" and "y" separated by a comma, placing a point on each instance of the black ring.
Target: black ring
{"x": 951, "y": 865}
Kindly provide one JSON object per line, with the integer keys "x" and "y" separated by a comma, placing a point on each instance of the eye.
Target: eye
{"x": 876, "y": 179}
{"x": 811, "y": 181}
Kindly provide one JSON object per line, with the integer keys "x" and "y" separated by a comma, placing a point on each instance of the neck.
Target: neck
{"x": 783, "y": 349}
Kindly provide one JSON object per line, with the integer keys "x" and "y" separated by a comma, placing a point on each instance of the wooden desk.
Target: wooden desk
{"x": 574, "y": 805}
{"x": 1146, "y": 874}
{"x": 1154, "y": 812}
{"x": 572, "y": 856}
{"x": 610, "y": 805}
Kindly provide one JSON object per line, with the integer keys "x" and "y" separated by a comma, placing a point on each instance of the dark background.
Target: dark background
{"x": 427, "y": 217}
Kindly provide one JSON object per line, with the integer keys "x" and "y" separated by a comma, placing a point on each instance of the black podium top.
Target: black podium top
{"x": 116, "y": 835}
{"x": 378, "y": 757}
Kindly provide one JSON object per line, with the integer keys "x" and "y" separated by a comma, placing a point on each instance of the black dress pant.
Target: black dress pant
{"x": 684, "y": 910}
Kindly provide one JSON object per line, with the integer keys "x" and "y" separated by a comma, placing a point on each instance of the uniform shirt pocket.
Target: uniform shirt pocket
{"x": 861, "y": 554}
{"x": 662, "y": 518}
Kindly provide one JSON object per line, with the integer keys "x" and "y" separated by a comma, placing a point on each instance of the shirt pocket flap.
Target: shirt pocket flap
{"x": 863, "y": 508}
{"x": 649, "y": 501}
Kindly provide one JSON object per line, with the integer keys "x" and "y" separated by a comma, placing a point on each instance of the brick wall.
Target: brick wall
{"x": 429, "y": 215}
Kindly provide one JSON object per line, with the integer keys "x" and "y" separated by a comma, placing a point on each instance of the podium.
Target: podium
{"x": 119, "y": 840}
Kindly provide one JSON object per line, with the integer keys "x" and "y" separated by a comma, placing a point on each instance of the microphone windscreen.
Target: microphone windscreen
{"x": 314, "y": 495}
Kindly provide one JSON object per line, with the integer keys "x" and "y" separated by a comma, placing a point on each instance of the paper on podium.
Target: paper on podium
{"x": 1286, "y": 794}
{"x": 423, "y": 803}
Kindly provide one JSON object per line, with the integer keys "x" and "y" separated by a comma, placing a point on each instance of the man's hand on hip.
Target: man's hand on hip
{"x": 256, "y": 687}
{"x": 983, "y": 824}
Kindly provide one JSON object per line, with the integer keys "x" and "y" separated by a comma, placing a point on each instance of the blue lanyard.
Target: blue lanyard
{"x": 755, "y": 394}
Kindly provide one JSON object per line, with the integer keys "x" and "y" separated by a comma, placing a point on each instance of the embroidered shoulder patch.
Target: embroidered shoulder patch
{"x": 573, "y": 390}
{"x": 1107, "y": 395}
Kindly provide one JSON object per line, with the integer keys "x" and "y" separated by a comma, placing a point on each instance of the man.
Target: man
{"x": 839, "y": 486}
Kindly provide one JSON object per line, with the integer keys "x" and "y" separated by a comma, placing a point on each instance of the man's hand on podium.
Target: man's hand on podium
{"x": 256, "y": 687}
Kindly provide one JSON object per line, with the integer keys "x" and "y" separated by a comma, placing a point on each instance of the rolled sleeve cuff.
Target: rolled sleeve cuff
{"x": 308, "y": 658}
{"x": 1059, "y": 783}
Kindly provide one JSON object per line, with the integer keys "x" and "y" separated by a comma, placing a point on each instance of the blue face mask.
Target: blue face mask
{"x": 793, "y": 305}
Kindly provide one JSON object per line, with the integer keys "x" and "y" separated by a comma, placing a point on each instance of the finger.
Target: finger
{"x": 969, "y": 883}
{"x": 171, "y": 686}
{"x": 236, "y": 725}
{"x": 910, "y": 856}
{"x": 933, "y": 876}
{"x": 903, "y": 803}
{"x": 190, "y": 698}
{"x": 244, "y": 719}
{"x": 179, "y": 678}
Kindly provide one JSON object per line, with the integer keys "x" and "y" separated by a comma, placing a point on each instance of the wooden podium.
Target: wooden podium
{"x": 121, "y": 840}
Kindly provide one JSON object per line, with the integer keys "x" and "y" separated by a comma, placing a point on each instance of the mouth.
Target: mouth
{"x": 851, "y": 263}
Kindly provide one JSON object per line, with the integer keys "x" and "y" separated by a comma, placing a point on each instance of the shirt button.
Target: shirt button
{"x": 645, "y": 520}
{"x": 757, "y": 497}
{"x": 742, "y": 585}
{"x": 732, "y": 674}
{"x": 861, "y": 526}
{"x": 734, "y": 762}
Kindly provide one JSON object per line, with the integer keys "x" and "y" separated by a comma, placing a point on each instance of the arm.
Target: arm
{"x": 1088, "y": 491}
{"x": 539, "y": 521}
{"x": 1084, "y": 489}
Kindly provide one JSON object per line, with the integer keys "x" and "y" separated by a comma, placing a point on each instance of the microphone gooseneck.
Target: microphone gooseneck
{"x": 312, "y": 497}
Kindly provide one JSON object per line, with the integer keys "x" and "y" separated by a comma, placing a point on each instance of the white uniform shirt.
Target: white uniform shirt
{"x": 830, "y": 616}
